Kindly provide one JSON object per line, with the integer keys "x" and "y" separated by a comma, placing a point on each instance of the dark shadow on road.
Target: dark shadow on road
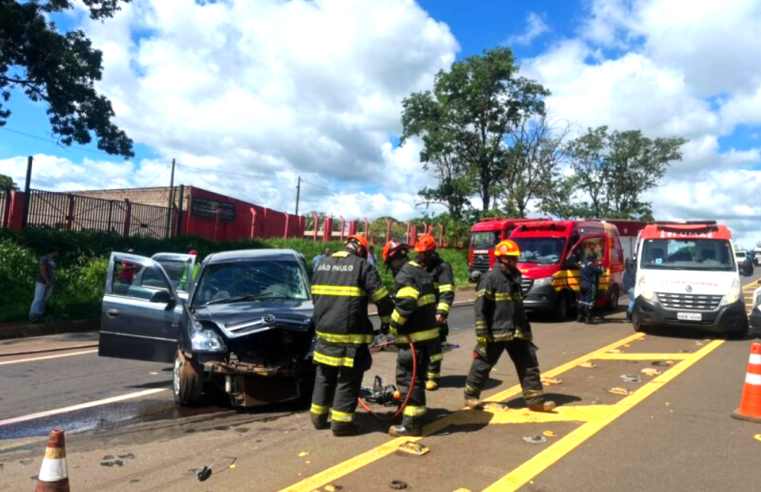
{"x": 458, "y": 381}
{"x": 559, "y": 398}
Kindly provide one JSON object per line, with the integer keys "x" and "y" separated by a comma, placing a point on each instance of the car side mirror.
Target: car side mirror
{"x": 162, "y": 297}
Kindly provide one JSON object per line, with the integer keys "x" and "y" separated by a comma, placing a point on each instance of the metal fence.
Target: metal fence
{"x": 64, "y": 211}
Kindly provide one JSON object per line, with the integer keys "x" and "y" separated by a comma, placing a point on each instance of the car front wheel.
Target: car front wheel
{"x": 187, "y": 380}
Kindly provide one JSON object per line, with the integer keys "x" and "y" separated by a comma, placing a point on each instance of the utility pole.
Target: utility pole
{"x": 170, "y": 212}
{"x": 298, "y": 195}
{"x": 27, "y": 192}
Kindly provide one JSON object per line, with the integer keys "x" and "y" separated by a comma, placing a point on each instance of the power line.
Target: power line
{"x": 247, "y": 175}
{"x": 57, "y": 144}
{"x": 163, "y": 172}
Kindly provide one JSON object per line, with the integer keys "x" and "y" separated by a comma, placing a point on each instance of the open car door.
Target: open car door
{"x": 141, "y": 311}
{"x": 180, "y": 269}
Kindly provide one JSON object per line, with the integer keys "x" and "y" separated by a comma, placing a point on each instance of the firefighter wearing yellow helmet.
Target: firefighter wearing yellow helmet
{"x": 501, "y": 325}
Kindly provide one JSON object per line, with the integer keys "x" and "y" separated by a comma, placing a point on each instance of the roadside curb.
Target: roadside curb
{"x": 27, "y": 330}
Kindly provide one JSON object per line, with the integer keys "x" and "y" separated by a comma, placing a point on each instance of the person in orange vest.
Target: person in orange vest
{"x": 443, "y": 282}
{"x": 502, "y": 326}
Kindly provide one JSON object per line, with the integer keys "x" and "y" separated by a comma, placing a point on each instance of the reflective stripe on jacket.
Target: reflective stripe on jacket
{"x": 500, "y": 315}
{"x": 343, "y": 285}
{"x": 414, "y": 318}
{"x": 443, "y": 282}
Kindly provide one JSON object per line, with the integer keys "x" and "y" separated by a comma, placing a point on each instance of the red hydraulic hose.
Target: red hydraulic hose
{"x": 406, "y": 399}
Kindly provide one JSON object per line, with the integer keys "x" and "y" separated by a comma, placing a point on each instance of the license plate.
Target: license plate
{"x": 689, "y": 316}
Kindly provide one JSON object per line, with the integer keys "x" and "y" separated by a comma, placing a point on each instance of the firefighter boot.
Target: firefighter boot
{"x": 473, "y": 403}
{"x": 402, "y": 431}
{"x": 545, "y": 406}
{"x": 346, "y": 431}
{"x": 431, "y": 385}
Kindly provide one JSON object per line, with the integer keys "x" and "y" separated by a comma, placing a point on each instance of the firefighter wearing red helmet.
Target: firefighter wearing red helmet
{"x": 443, "y": 282}
{"x": 413, "y": 320}
{"x": 343, "y": 285}
{"x": 501, "y": 325}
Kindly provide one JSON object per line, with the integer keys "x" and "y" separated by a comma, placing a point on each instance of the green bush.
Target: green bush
{"x": 83, "y": 262}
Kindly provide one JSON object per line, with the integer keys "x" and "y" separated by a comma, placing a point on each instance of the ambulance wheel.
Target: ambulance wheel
{"x": 740, "y": 334}
{"x": 187, "y": 380}
{"x": 560, "y": 313}
{"x": 638, "y": 327}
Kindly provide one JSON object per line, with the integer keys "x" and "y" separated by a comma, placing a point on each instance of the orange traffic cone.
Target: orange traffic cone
{"x": 54, "y": 477}
{"x": 750, "y": 404}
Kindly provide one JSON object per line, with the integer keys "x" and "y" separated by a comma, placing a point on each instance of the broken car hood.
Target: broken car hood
{"x": 247, "y": 318}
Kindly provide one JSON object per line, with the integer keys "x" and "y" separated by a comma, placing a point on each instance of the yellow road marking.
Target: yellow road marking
{"x": 539, "y": 463}
{"x": 353, "y": 464}
{"x": 641, "y": 356}
{"x": 571, "y": 413}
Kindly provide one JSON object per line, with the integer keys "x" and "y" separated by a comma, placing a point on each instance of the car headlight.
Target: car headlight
{"x": 541, "y": 282}
{"x": 207, "y": 341}
{"x": 644, "y": 290}
{"x": 734, "y": 293}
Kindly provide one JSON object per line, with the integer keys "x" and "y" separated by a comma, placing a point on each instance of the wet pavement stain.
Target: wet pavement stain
{"x": 128, "y": 456}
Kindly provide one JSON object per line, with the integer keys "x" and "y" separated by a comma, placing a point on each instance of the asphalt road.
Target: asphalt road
{"x": 672, "y": 433}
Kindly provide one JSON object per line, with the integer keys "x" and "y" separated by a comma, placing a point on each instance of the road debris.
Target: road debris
{"x": 535, "y": 439}
{"x": 619, "y": 391}
{"x": 496, "y": 407}
{"x": 461, "y": 489}
{"x": 588, "y": 365}
{"x": 663, "y": 363}
{"x": 649, "y": 371}
{"x": 303, "y": 453}
{"x": 595, "y": 402}
{"x": 398, "y": 485}
{"x": 414, "y": 448}
{"x": 631, "y": 378}
{"x": 204, "y": 474}
{"x": 112, "y": 463}
{"x": 332, "y": 488}
{"x": 757, "y": 437}
{"x": 552, "y": 381}
{"x": 549, "y": 433}
{"x": 615, "y": 351}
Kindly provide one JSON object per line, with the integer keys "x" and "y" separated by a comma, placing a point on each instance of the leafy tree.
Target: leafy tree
{"x": 7, "y": 183}
{"x": 560, "y": 201}
{"x": 613, "y": 170}
{"x": 59, "y": 69}
{"x": 533, "y": 162}
{"x": 465, "y": 120}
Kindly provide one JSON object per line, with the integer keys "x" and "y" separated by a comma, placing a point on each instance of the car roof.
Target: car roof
{"x": 252, "y": 254}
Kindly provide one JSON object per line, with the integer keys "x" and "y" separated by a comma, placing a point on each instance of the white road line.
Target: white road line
{"x": 82, "y": 406}
{"x": 34, "y": 359}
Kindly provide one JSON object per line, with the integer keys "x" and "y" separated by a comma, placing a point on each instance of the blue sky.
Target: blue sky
{"x": 279, "y": 89}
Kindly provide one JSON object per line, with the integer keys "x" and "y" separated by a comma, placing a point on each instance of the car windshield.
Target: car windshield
{"x": 541, "y": 250}
{"x": 485, "y": 240}
{"x": 176, "y": 270}
{"x": 688, "y": 254}
{"x": 251, "y": 281}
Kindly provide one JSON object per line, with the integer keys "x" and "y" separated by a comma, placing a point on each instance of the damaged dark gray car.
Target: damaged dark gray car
{"x": 245, "y": 329}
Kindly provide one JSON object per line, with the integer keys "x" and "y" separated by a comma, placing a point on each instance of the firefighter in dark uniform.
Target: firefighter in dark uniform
{"x": 343, "y": 284}
{"x": 443, "y": 282}
{"x": 413, "y": 320}
{"x": 590, "y": 276}
{"x": 501, "y": 325}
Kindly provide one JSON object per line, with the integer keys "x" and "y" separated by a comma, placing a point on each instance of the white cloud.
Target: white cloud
{"x": 535, "y": 27}
{"x": 671, "y": 68}
{"x": 304, "y": 86}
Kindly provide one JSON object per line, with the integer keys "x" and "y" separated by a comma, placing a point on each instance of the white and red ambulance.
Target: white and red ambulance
{"x": 687, "y": 277}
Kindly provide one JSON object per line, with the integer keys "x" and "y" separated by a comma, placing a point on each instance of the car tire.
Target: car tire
{"x": 740, "y": 334}
{"x": 560, "y": 312}
{"x": 636, "y": 324}
{"x": 612, "y": 304}
{"x": 187, "y": 380}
